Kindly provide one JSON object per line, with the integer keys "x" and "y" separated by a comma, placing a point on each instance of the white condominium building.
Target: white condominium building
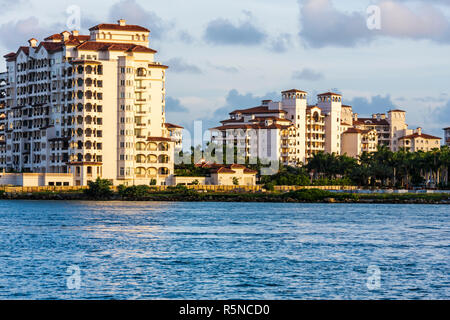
{"x": 292, "y": 132}
{"x": 289, "y": 131}
{"x": 87, "y": 105}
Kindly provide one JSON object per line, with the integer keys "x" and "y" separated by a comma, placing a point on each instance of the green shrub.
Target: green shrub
{"x": 136, "y": 192}
{"x": 270, "y": 186}
{"x": 99, "y": 189}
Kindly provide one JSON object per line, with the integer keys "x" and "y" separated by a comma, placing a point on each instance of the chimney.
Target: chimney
{"x": 355, "y": 117}
{"x": 65, "y": 35}
{"x": 33, "y": 42}
{"x": 75, "y": 33}
{"x": 122, "y": 22}
{"x": 383, "y": 116}
{"x": 266, "y": 102}
{"x": 419, "y": 131}
{"x": 374, "y": 116}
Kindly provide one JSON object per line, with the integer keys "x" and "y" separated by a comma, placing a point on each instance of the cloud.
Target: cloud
{"x": 281, "y": 43}
{"x": 8, "y": 5}
{"x": 442, "y": 114}
{"x": 228, "y": 69}
{"x": 136, "y": 14}
{"x": 307, "y": 74}
{"x": 236, "y": 100}
{"x": 224, "y": 32}
{"x": 17, "y": 33}
{"x": 174, "y": 105}
{"x": 366, "y": 107}
{"x": 178, "y": 65}
{"x": 323, "y": 25}
{"x": 186, "y": 37}
{"x": 400, "y": 21}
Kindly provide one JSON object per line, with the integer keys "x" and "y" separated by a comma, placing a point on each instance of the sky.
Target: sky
{"x": 225, "y": 55}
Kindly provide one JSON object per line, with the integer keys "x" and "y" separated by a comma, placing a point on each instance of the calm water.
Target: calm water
{"x": 223, "y": 250}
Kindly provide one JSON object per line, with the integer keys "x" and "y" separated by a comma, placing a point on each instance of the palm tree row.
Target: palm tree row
{"x": 386, "y": 168}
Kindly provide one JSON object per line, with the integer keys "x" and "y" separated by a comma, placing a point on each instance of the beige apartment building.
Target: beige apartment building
{"x": 292, "y": 131}
{"x": 447, "y": 136}
{"x": 419, "y": 141}
{"x": 87, "y": 105}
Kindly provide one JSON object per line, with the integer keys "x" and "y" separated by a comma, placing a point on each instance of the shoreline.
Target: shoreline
{"x": 305, "y": 196}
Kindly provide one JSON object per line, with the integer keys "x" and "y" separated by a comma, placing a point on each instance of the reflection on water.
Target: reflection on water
{"x": 157, "y": 250}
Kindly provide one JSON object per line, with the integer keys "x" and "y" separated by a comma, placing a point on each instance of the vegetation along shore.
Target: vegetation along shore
{"x": 101, "y": 190}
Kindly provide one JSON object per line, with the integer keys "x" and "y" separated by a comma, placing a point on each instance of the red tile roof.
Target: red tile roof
{"x": 111, "y": 26}
{"x": 51, "y": 46}
{"x": 371, "y": 121}
{"x": 416, "y": 135}
{"x": 80, "y": 38}
{"x": 353, "y": 130}
{"x": 104, "y": 46}
{"x": 26, "y": 50}
{"x": 222, "y": 170}
{"x": 329, "y": 94}
{"x": 159, "y": 139}
{"x": 356, "y": 130}
{"x": 9, "y": 55}
{"x": 170, "y": 125}
{"x": 260, "y": 109}
{"x": 293, "y": 90}
{"x": 253, "y": 126}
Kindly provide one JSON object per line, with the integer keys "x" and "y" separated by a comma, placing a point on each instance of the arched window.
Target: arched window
{"x": 152, "y": 158}
{"x": 140, "y": 146}
{"x": 140, "y": 158}
{"x": 152, "y": 146}
{"x": 163, "y": 146}
{"x": 163, "y": 171}
{"x": 140, "y": 172}
{"x": 163, "y": 158}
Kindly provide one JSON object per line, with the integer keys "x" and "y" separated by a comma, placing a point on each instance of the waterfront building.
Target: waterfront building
{"x": 87, "y": 105}
{"x": 175, "y": 132}
{"x": 292, "y": 131}
{"x": 356, "y": 141}
{"x": 220, "y": 175}
{"x": 289, "y": 131}
{"x": 447, "y": 136}
{"x": 419, "y": 141}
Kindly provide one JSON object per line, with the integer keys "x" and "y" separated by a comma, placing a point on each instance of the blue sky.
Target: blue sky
{"x": 229, "y": 54}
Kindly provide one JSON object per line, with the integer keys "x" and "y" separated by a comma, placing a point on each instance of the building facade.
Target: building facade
{"x": 289, "y": 131}
{"x": 447, "y": 136}
{"x": 418, "y": 141}
{"x": 87, "y": 105}
{"x": 292, "y": 131}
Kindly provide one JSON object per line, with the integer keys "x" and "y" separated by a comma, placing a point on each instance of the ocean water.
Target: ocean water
{"x": 159, "y": 250}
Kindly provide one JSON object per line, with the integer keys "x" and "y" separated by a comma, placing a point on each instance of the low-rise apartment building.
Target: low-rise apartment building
{"x": 419, "y": 141}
